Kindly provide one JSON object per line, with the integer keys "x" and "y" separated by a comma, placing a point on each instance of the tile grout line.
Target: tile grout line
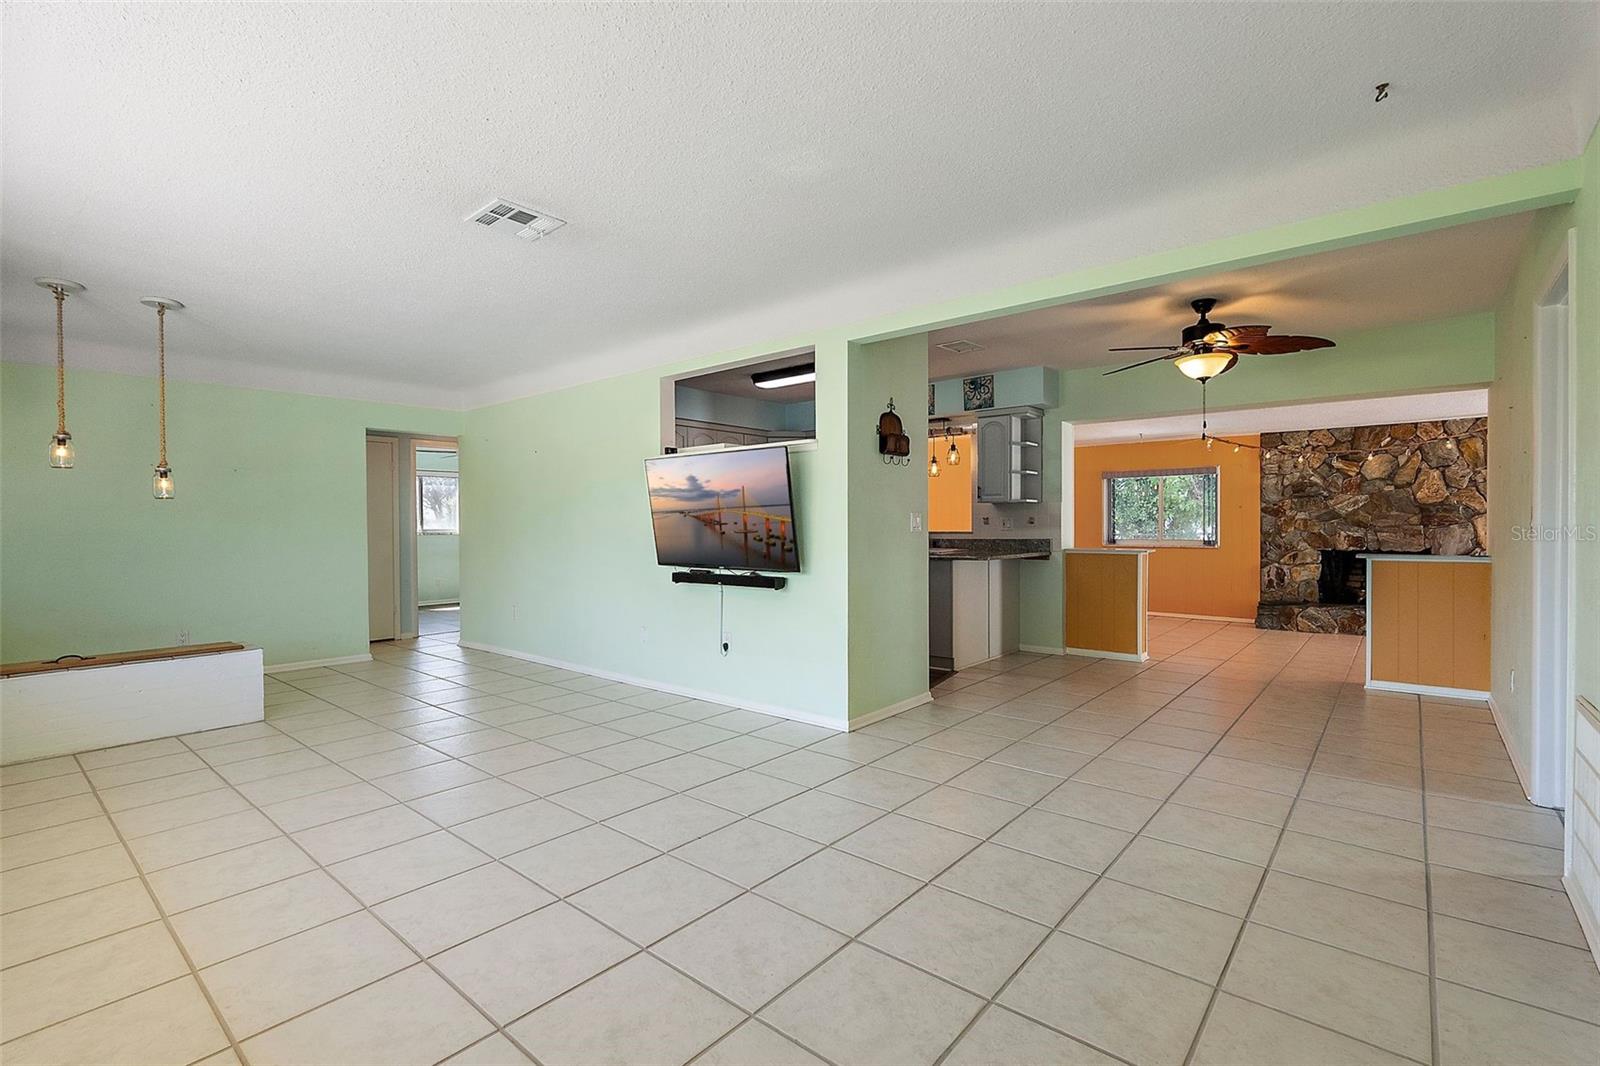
{"x": 1255, "y": 897}
{"x": 993, "y": 1000}
{"x": 1427, "y": 890}
{"x": 172, "y": 933}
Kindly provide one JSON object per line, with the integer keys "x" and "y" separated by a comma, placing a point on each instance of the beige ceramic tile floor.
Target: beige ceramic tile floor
{"x": 1231, "y": 854}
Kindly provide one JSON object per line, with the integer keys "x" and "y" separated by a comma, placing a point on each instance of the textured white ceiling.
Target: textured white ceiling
{"x": 297, "y": 173}
{"x": 1437, "y": 274}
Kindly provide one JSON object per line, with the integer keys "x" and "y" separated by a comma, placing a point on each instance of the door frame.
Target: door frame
{"x": 1554, "y": 512}
{"x": 393, "y": 443}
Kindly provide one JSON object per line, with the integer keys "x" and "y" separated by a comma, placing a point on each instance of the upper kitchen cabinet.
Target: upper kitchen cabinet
{"x": 1011, "y": 457}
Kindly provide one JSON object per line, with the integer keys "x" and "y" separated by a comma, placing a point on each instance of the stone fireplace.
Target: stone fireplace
{"x": 1328, "y": 495}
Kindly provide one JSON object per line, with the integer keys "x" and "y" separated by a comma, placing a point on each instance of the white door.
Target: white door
{"x": 383, "y": 576}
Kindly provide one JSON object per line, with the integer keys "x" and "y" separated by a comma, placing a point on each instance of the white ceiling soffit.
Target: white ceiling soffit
{"x": 1371, "y": 411}
{"x": 735, "y": 381}
{"x": 1425, "y": 276}
{"x": 297, "y": 174}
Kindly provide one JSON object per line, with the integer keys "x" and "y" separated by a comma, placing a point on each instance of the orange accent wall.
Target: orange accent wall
{"x": 1224, "y": 581}
{"x": 950, "y": 494}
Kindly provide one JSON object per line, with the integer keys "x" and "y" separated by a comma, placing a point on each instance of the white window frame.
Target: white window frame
{"x": 420, "y": 474}
{"x": 1107, "y": 534}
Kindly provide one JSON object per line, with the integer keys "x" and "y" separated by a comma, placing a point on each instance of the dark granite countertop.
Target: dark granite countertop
{"x": 975, "y": 548}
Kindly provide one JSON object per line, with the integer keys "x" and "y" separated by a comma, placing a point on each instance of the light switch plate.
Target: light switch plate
{"x": 916, "y": 521}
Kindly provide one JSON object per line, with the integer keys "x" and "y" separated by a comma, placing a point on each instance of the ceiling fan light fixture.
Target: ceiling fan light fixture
{"x": 1202, "y": 366}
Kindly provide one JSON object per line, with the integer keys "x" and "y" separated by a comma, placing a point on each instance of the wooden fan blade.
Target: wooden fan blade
{"x": 1241, "y": 332}
{"x": 1281, "y": 345}
{"x": 1130, "y": 366}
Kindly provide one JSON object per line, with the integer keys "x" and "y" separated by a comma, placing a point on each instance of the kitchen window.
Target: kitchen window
{"x": 1162, "y": 508}
{"x": 438, "y": 503}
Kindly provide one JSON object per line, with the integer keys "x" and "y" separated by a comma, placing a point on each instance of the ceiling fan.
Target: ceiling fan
{"x": 1212, "y": 348}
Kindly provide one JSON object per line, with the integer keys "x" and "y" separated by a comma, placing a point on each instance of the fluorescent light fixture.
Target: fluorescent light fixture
{"x": 789, "y": 375}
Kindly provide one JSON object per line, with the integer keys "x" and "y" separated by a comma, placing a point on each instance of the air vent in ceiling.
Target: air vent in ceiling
{"x": 515, "y": 220}
{"x": 961, "y": 347}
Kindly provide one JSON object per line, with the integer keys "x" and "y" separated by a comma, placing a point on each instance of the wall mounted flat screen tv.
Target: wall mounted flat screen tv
{"x": 724, "y": 510}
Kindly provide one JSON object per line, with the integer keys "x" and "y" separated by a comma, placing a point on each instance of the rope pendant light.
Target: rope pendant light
{"x": 62, "y": 453}
{"x": 164, "y": 489}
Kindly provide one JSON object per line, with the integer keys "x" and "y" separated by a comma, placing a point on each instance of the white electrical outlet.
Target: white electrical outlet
{"x": 1006, "y": 523}
{"x": 916, "y": 521}
{"x": 513, "y": 612}
{"x": 183, "y": 637}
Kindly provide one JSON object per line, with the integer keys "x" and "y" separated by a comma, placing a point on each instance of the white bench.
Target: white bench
{"x": 72, "y": 705}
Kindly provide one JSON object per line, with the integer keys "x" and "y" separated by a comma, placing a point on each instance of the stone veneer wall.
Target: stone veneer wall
{"x": 1410, "y": 487}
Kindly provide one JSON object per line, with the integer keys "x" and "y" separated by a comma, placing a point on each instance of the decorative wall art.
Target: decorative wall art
{"x": 977, "y": 394}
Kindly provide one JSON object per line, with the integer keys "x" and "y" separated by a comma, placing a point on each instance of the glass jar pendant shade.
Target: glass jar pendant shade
{"x": 953, "y": 456}
{"x": 62, "y": 454}
{"x": 162, "y": 483}
{"x": 933, "y": 466}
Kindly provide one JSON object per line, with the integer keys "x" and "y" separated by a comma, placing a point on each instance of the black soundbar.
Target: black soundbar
{"x": 716, "y": 577}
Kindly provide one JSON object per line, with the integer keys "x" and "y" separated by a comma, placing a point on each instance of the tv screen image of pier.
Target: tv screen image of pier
{"x": 724, "y": 509}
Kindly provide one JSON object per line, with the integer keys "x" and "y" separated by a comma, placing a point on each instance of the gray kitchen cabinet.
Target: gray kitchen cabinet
{"x": 1011, "y": 457}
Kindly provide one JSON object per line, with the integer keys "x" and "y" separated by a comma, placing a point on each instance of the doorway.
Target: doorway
{"x": 383, "y": 538}
{"x": 1554, "y": 511}
{"x": 437, "y": 474}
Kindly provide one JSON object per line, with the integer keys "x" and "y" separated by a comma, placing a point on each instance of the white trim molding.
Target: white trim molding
{"x": 677, "y": 690}
{"x": 1202, "y": 617}
{"x": 859, "y": 720}
{"x": 1430, "y": 690}
{"x": 1124, "y": 656}
{"x": 1524, "y": 778}
{"x": 312, "y": 664}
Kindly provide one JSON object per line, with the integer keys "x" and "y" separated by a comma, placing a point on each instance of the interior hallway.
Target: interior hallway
{"x": 449, "y": 855}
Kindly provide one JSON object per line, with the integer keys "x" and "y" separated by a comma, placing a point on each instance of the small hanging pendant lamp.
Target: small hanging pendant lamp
{"x": 164, "y": 489}
{"x": 953, "y": 456}
{"x": 62, "y": 453}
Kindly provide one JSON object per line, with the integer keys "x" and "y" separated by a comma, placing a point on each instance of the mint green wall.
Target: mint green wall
{"x": 264, "y": 544}
{"x": 888, "y": 607}
{"x": 1513, "y": 456}
{"x": 1028, "y": 386}
{"x": 558, "y": 526}
{"x": 1425, "y": 356}
{"x": 438, "y": 568}
{"x": 1512, "y": 473}
{"x": 559, "y": 559}
{"x": 1586, "y": 285}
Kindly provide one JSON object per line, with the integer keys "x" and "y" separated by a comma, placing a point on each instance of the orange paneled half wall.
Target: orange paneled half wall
{"x": 1222, "y": 582}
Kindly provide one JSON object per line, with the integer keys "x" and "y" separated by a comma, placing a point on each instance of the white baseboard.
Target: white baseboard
{"x": 860, "y": 720}
{"x": 1041, "y": 649}
{"x": 311, "y": 664}
{"x": 1524, "y": 778}
{"x": 1588, "y": 912}
{"x": 1202, "y": 617}
{"x": 1428, "y": 690}
{"x": 842, "y": 725}
{"x": 1124, "y": 656}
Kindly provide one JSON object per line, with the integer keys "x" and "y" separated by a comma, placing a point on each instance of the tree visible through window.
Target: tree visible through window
{"x": 1162, "y": 507}
{"x": 438, "y": 503}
